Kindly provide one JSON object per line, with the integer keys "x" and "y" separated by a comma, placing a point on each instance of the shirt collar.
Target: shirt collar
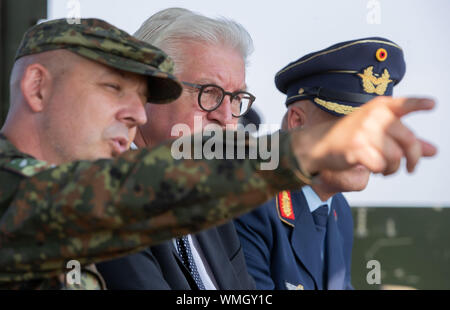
{"x": 133, "y": 146}
{"x": 313, "y": 200}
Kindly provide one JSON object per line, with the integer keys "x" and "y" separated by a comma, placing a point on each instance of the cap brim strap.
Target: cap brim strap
{"x": 329, "y": 94}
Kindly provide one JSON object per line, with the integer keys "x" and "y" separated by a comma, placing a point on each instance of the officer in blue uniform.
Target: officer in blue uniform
{"x": 303, "y": 239}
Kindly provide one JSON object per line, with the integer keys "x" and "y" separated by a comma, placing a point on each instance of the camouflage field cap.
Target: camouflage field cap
{"x": 102, "y": 42}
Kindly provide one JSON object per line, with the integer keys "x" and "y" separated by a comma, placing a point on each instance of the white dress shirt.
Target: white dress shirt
{"x": 200, "y": 261}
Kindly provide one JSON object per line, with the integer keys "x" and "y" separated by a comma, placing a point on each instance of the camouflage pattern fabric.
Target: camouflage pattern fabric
{"x": 93, "y": 211}
{"x": 102, "y": 42}
{"x": 90, "y": 279}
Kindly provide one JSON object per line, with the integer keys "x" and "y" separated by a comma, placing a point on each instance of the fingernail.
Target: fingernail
{"x": 428, "y": 102}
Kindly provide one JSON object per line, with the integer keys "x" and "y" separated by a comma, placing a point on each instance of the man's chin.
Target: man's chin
{"x": 360, "y": 169}
{"x": 357, "y": 189}
{"x": 114, "y": 154}
{"x": 107, "y": 154}
{"x": 355, "y": 184}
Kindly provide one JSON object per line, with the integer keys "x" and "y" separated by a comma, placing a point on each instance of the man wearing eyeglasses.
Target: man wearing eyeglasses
{"x": 210, "y": 57}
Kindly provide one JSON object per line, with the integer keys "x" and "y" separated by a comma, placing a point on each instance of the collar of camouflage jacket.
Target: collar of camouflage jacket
{"x": 13, "y": 160}
{"x": 7, "y": 149}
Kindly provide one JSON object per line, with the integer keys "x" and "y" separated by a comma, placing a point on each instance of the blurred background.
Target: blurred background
{"x": 400, "y": 221}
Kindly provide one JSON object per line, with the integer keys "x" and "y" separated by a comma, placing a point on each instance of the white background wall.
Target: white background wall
{"x": 285, "y": 30}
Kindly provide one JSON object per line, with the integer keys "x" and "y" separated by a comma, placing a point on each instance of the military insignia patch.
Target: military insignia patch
{"x": 285, "y": 205}
{"x": 381, "y": 54}
{"x": 290, "y": 286}
{"x": 373, "y": 84}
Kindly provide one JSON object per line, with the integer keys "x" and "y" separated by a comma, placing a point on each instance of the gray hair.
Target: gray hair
{"x": 170, "y": 27}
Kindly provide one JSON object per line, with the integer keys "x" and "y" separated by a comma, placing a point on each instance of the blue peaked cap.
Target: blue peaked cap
{"x": 344, "y": 76}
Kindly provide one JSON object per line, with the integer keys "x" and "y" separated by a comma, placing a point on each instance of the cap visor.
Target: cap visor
{"x": 163, "y": 87}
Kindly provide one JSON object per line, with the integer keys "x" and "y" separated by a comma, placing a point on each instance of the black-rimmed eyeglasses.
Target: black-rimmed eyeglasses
{"x": 211, "y": 96}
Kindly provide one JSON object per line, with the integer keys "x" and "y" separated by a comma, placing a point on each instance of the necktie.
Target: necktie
{"x": 184, "y": 250}
{"x": 320, "y": 217}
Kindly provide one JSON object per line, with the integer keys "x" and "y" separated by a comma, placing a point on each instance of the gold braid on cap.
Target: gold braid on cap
{"x": 336, "y": 107}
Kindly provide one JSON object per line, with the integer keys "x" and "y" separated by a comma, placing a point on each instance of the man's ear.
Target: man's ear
{"x": 35, "y": 85}
{"x": 296, "y": 117}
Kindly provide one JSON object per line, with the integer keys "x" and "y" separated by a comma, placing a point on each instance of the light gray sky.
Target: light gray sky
{"x": 285, "y": 30}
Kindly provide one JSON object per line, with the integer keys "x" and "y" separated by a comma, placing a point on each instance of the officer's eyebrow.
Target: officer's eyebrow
{"x": 122, "y": 74}
{"x": 210, "y": 81}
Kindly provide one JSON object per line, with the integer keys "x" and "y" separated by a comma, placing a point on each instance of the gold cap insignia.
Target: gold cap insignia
{"x": 373, "y": 84}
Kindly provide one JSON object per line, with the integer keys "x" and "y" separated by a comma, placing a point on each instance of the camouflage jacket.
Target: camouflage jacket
{"x": 92, "y": 211}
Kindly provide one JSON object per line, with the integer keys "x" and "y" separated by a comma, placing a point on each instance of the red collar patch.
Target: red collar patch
{"x": 285, "y": 205}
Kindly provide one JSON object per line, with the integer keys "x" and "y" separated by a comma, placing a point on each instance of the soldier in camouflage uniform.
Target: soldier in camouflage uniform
{"x": 69, "y": 190}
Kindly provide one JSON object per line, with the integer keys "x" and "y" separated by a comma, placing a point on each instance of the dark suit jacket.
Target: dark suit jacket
{"x": 283, "y": 252}
{"x": 160, "y": 267}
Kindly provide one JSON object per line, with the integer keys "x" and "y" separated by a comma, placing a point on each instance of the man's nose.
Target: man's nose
{"x": 222, "y": 114}
{"x": 133, "y": 111}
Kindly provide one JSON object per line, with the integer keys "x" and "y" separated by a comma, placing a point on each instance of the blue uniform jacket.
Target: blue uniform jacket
{"x": 281, "y": 249}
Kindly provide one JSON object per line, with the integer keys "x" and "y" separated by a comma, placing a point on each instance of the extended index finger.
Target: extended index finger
{"x": 428, "y": 149}
{"x": 403, "y": 106}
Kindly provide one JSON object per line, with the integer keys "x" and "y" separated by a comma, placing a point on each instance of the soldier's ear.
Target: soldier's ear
{"x": 35, "y": 86}
{"x": 296, "y": 117}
